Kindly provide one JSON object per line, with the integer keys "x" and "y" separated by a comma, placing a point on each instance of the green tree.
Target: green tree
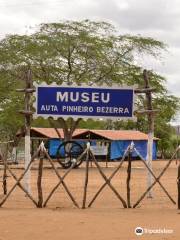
{"x": 75, "y": 52}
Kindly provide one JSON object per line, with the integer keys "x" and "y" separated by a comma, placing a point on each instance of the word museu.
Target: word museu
{"x": 84, "y": 97}
{"x": 77, "y": 102}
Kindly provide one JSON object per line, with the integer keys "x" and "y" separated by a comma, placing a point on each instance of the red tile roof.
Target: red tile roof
{"x": 121, "y": 134}
{"x": 108, "y": 134}
{"x": 51, "y": 132}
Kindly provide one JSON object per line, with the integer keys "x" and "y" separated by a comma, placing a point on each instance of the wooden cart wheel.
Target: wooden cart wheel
{"x": 69, "y": 151}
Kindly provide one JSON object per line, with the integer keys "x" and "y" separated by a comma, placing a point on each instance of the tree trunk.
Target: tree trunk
{"x": 69, "y": 126}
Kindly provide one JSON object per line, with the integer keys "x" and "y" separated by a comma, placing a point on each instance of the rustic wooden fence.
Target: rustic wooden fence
{"x": 42, "y": 153}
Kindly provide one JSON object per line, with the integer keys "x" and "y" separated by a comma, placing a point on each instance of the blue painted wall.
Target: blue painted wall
{"x": 118, "y": 148}
{"x": 53, "y": 146}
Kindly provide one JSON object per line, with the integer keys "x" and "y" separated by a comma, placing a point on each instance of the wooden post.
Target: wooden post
{"x": 178, "y": 186}
{"x": 128, "y": 180}
{"x": 150, "y": 131}
{"x": 39, "y": 180}
{"x": 27, "y": 179}
{"x": 86, "y": 177}
{"x": 5, "y": 177}
{"x": 5, "y": 169}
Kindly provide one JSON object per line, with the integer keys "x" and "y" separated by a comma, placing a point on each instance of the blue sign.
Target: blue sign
{"x": 84, "y": 102}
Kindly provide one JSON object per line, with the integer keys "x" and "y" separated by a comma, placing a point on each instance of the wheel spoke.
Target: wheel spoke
{"x": 67, "y": 152}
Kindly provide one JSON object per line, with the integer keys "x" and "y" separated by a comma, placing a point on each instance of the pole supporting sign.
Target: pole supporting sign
{"x": 84, "y": 102}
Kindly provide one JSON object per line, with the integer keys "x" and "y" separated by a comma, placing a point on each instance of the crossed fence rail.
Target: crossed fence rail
{"x": 42, "y": 153}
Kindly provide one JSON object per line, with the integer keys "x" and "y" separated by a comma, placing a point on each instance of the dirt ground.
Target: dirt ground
{"x": 105, "y": 220}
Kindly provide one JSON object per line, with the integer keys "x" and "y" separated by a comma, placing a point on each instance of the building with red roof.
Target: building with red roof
{"x": 117, "y": 140}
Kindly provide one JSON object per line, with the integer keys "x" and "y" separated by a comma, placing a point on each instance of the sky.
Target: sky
{"x": 159, "y": 19}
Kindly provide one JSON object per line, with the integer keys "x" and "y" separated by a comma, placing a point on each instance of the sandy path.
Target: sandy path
{"x": 20, "y": 220}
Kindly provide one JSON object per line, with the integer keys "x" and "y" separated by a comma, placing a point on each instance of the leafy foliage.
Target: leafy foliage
{"x": 79, "y": 52}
